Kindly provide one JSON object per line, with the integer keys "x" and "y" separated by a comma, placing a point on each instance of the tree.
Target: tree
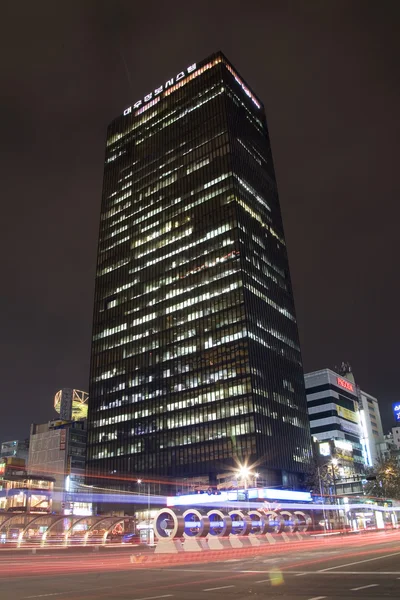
{"x": 387, "y": 480}
{"x": 322, "y": 477}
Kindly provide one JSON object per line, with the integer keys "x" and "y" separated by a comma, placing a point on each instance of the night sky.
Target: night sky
{"x": 328, "y": 73}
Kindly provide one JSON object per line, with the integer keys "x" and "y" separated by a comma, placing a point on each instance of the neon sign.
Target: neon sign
{"x": 396, "y": 410}
{"x": 180, "y": 79}
{"x": 345, "y": 384}
{"x": 160, "y": 89}
{"x": 325, "y": 449}
{"x": 244, "y": 88}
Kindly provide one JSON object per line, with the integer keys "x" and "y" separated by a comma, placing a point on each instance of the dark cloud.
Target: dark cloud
{"x": 328, "y": 74}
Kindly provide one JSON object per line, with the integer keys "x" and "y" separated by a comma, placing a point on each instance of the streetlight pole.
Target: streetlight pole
{"x": 322, "y": 497}
{"x": 243, "y": 473}
{"x": 334, "y": 464}
{"x": 148, "y": 503}
{"x": 148, "y": 507}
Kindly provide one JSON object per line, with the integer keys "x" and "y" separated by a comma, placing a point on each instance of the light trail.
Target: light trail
{"x": 118, "y": 559}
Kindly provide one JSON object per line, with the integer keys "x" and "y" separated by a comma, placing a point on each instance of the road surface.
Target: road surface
{"x": 361, "y": 568}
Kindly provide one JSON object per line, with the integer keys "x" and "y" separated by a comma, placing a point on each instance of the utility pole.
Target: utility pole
{"x": 322, "y": 496}
{"x": 334, "y": 463}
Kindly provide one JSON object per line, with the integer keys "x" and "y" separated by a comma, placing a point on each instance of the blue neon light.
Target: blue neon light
{"x": 396, "y": 410}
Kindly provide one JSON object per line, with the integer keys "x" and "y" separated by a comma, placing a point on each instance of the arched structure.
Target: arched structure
{"x": 197, "y": 523}
{"x": 170, "y": 524}
{"x": 103, "y": 519}
{"x": 23, "y": 522}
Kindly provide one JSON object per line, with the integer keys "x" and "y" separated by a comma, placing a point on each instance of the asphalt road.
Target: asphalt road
{"x": 358, "y": 568}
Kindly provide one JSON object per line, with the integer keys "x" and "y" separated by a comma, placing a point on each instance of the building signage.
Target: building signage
{"x": 343, "y": 445}
{"x": 63, "y": 437}
{"x": 345, "y": 413}
{"x": 344, "y": 450}
{"x": 345, "y": 384}
{"x": 160, "y": 89}
{"x": 396, "y": 410}
{"x": 325, "y": 449}
{"x": 66, "y": 404}
{"x": 350, "y": 428}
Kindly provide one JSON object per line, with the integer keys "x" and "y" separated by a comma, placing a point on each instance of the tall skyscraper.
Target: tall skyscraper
{"x": 196, "y": 366}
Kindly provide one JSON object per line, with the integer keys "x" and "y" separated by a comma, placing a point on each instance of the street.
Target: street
{"x": 348, "y": 568}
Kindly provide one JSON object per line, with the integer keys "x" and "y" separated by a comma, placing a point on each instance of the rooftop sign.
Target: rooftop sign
{"x": 183, "y": 77}
{"x": 160, "y": 89}
{"x": 345, "y": 384}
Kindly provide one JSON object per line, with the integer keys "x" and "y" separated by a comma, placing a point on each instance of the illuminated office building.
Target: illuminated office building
{"x": 334, "y": 410}
{"x": 196, "y": 364}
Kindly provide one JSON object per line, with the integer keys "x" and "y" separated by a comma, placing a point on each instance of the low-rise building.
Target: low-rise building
{"x": 396, "y": 436}
{"x": 15, "y": 448}
{"x": 332, "y": 403}
{"x": 21, "y": 491}
{"x": 371, "y": 427}
{"x": 58, "y": 449}
{"x": 389, "y": 448}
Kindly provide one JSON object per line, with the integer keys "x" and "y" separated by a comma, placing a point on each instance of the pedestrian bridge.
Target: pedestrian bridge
{"x": 23, "y": 529}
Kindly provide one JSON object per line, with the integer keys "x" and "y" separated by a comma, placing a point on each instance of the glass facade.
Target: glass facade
{"x": 196, "y": 363}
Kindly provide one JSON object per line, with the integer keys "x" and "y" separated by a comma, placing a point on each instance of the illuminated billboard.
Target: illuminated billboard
{"x": 350, "y": 415}
{"x": 226, "y": 496}
{"x": 396, "y": 410}
{"x": 344, "y": 450}
{"x": 325, "y": 449}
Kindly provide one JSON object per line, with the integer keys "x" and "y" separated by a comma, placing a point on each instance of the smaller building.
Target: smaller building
{"x": 332, "y": 403}
{"x": 21, "y": 491}
{"x": 388, "y": 447}
{"x": 16, "y": 449}
{"x": 333, "y": 410}
{"x": 396, "y": 436}
{"x": 371, "y": 427}
{"x": 58, "y": 449}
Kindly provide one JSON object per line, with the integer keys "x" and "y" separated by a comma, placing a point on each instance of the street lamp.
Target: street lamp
{"x": 322, "y": 498}
{"x": 244, "y": 472}
{"x": 148, "y": 504}
{"x": 256, "y": 476}
{"x": 334, "y": 464}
